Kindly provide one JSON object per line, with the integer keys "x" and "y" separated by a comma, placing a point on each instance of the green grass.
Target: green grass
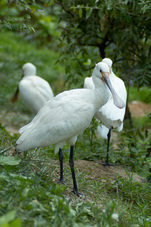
{"x": 29, "y": 192}
{"x": 143, "y": 94}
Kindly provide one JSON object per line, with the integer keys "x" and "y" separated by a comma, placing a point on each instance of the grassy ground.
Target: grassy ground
{"x": 29, "y": 192}
{"x": 143, "y": 94}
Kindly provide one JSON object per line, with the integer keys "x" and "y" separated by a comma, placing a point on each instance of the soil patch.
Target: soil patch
{"x": 139, "y": 109}
{"x": 96, "y": 171}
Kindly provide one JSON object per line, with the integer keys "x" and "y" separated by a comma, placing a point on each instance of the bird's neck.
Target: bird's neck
{"x": 101, "y": 93}
{"x": 112, "y": 75}
{"x": 27, "y": 75}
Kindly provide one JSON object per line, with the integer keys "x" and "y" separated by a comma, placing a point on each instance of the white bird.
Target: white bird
{"x": 109, "y": 114}
{"x": 34, "y": 90}
{"x": 65, "y": 116}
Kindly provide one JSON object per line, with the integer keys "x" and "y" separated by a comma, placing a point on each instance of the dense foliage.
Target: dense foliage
{"x": 118, "y": 29}
{"x": 88, "y": 31}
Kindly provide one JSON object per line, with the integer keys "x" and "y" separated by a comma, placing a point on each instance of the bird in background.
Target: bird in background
{"x": 109, "y": 114}
{"x": 34, "y": 90}
{"x": 67, "y": 115}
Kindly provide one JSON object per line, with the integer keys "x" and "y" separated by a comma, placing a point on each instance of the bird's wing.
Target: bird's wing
{"x": 110, "y": 115}
{"x": 41, "y": 85}
{"x": 119, "y": 87}
{"x": 88, "y": 83}
{"x": 35, "y": 92}
{"x": 59, "y": 120}
{"x": 102, "y": 131}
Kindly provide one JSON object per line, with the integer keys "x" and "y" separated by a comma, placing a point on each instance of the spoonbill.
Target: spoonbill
{"x": 109, "y": 114}
{"x": 65, "y": 116}
{"x": 34, "y": 90}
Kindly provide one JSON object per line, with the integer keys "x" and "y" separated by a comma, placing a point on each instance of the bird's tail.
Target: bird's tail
{"x": 25, "y": 142}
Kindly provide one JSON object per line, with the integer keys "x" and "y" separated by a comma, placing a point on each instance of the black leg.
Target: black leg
{"x": 61, "y": 164}
{"x": 71, "y": 162}
{"x": 108, "y": 144}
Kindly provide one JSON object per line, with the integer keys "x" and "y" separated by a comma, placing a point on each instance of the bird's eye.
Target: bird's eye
{"x": 100, "y": 70}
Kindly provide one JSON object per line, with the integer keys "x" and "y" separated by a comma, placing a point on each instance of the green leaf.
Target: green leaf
{"x": 4, "y": 150}
{"x": 16, "y": 223}
{"x": 9, "y": 160}
{"x": 7, "y": 25}
{"x": 80, "y": 12}
{"x": 25, "y": 192}
{"x": 10, "y": 216}
{"x": 88, "y": 12}
{"x": 33, "y": 8}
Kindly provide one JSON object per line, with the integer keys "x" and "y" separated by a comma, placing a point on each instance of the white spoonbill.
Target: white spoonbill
{"x": 65, "y": 116}
{"x": 109, "y": 114}
{"x": 34, "y": 90}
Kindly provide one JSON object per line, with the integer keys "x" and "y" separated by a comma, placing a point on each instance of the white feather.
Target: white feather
{"x": 102, "y": 131}
{"x": 34, "y": 90}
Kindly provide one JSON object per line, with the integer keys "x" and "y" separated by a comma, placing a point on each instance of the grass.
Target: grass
{"x": 29, "y": 188}
{"x": 143, "y": 94}
{"x": 29, "y": 192}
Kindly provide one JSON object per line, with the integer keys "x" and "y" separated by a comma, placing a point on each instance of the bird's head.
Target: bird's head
{"x": 109, "y": 62}
{"x": 101, "y": 71}
{"x": 28, "y": 69}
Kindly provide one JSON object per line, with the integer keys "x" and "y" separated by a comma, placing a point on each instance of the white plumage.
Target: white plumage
{"x": 58, "y": 121}
{"x": 34, "y": 90}
{"x": 109, "y": 114}
{"x": 65, "y": 116}
{"x": 102, "y": 131}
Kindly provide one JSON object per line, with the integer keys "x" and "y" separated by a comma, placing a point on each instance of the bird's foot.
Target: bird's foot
{"x": 108, "y": 164}
{"x": 77, "y": 193}
{"x": 61, "y": 181}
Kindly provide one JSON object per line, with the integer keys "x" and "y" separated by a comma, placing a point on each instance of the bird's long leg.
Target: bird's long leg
{"x": 108, "y": 145}
{"x": 61, "y": 164}
{"x": 71, "y": 162}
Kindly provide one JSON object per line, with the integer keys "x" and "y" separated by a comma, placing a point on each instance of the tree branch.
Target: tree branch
{"x": 65, "y": 9}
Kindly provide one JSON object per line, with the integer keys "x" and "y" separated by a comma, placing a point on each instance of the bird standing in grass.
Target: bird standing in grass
{"x": 109, "y": 114}
{"x": 65, "y": 116}
{"x": 34, "y": 90}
